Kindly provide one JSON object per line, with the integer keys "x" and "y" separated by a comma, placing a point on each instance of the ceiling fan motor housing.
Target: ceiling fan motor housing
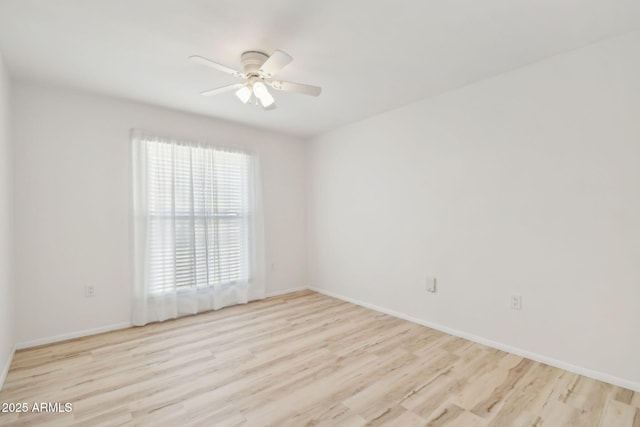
{"x": 252, "y": 61}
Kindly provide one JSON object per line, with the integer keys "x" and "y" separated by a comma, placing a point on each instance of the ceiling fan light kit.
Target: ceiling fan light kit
{"x": 258, "y": 70}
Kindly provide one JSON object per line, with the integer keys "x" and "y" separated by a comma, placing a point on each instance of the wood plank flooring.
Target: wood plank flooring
{"x": 302, "y": 359}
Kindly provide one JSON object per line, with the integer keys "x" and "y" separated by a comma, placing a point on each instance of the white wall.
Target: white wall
{"x": 73, "y": 205}
{"x": 7, "y": 323}
{"x": 527, "y": 183}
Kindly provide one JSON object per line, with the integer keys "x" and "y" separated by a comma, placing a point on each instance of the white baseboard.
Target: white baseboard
{"x": 114, "y": 327}
{"x": 5, "y": 368}
{"x": 285, "y": 291}
{"x": 71, "y": 335}
{"x": 600, "y": 376}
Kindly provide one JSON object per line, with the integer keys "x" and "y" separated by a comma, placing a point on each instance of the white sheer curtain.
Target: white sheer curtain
{"x": 198, "y": 242}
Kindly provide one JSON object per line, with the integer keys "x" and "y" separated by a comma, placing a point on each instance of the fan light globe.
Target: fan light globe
{"x": 267, "y": 100}
{"x": 244, "y": 93}
{"x": 261, "y": 92}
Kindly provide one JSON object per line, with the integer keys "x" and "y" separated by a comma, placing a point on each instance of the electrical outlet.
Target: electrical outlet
{"x": 431, "y": 284}
{"x": 516, "y": 302}
{"x": 89, "y": 291}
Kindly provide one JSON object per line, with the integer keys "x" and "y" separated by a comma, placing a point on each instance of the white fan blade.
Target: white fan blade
{"x": 295, "y": 87}
{"x": 222, "y": 89}
{"x": 270, "y": 107}
{"x": 275, "y": 63}
{"x": 209, "y": 63}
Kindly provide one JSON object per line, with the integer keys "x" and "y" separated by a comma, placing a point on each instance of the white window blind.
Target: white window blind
{"x": 195, "y": 212}
{"x": 198, "y": 208}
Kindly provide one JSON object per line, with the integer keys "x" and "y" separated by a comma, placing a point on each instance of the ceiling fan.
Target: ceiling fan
{"x": 258, "y": 71}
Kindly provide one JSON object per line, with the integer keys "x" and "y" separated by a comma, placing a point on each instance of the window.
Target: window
{"x": 195, "y": 228}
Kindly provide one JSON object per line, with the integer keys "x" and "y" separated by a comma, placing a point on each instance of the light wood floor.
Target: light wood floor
{"x": 300, "y": 360}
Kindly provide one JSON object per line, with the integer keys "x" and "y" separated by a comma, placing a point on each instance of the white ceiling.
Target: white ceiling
{"x": 368, "y": 56}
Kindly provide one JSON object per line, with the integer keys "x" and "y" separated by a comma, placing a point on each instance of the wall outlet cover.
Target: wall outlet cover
{"x": 516, "y": 302}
